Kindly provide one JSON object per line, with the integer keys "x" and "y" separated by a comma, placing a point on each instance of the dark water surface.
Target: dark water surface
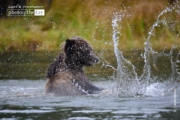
{"x": 33, "y": 65}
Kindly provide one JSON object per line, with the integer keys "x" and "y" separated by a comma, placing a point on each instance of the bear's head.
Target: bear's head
{"x": 78, "y": 53}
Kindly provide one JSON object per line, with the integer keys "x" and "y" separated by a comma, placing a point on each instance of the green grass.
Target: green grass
{"x": 92, "y": 21}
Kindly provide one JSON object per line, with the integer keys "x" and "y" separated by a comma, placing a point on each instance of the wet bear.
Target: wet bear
{"x": 65, "y": 75}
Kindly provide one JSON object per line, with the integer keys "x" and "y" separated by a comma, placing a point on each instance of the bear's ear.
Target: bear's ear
{"x": 68, "y": 45}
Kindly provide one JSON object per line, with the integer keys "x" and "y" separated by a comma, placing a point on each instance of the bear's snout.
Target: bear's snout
{"x": 96, "y": 59}
{"x": 93, "y": 59}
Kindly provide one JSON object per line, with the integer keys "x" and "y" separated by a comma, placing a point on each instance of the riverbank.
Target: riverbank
{"x": 30, "y": 33}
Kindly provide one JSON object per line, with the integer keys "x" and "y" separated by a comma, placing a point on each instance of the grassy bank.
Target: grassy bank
{"x": 91, "y": 20}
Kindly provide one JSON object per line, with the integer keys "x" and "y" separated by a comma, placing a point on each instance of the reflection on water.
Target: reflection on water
{"x": 25, "y": 99}
{"x": 21, "y": 65}
{"x": 33, "y": 65}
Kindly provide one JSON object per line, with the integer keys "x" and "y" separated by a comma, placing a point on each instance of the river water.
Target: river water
{"x": 25, "y": 99}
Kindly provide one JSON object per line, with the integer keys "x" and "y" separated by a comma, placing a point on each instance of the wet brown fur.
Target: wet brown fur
{"x": 65, "y": 75}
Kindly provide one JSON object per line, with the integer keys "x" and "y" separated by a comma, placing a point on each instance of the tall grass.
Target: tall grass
{"x": 90, "y": 19}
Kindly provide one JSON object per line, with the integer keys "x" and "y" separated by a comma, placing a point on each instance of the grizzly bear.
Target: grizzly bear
{"x": 65, "y": 75}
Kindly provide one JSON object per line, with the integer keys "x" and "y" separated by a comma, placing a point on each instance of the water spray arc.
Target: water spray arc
{"x": 128, "y": 82}
{"x": 125, "y": 73}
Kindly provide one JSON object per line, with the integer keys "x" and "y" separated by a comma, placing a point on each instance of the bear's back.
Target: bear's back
{"x": 65, "y": 83}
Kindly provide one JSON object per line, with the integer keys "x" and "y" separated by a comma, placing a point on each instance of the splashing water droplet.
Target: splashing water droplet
{"x": 128, "y": 83}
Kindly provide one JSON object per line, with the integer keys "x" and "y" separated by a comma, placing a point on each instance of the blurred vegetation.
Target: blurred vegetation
{"x": 90, "y": 19}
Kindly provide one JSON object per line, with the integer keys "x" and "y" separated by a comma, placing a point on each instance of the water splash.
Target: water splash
{"x": 128, "y": 82}
{"x": 125, "y": 73}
